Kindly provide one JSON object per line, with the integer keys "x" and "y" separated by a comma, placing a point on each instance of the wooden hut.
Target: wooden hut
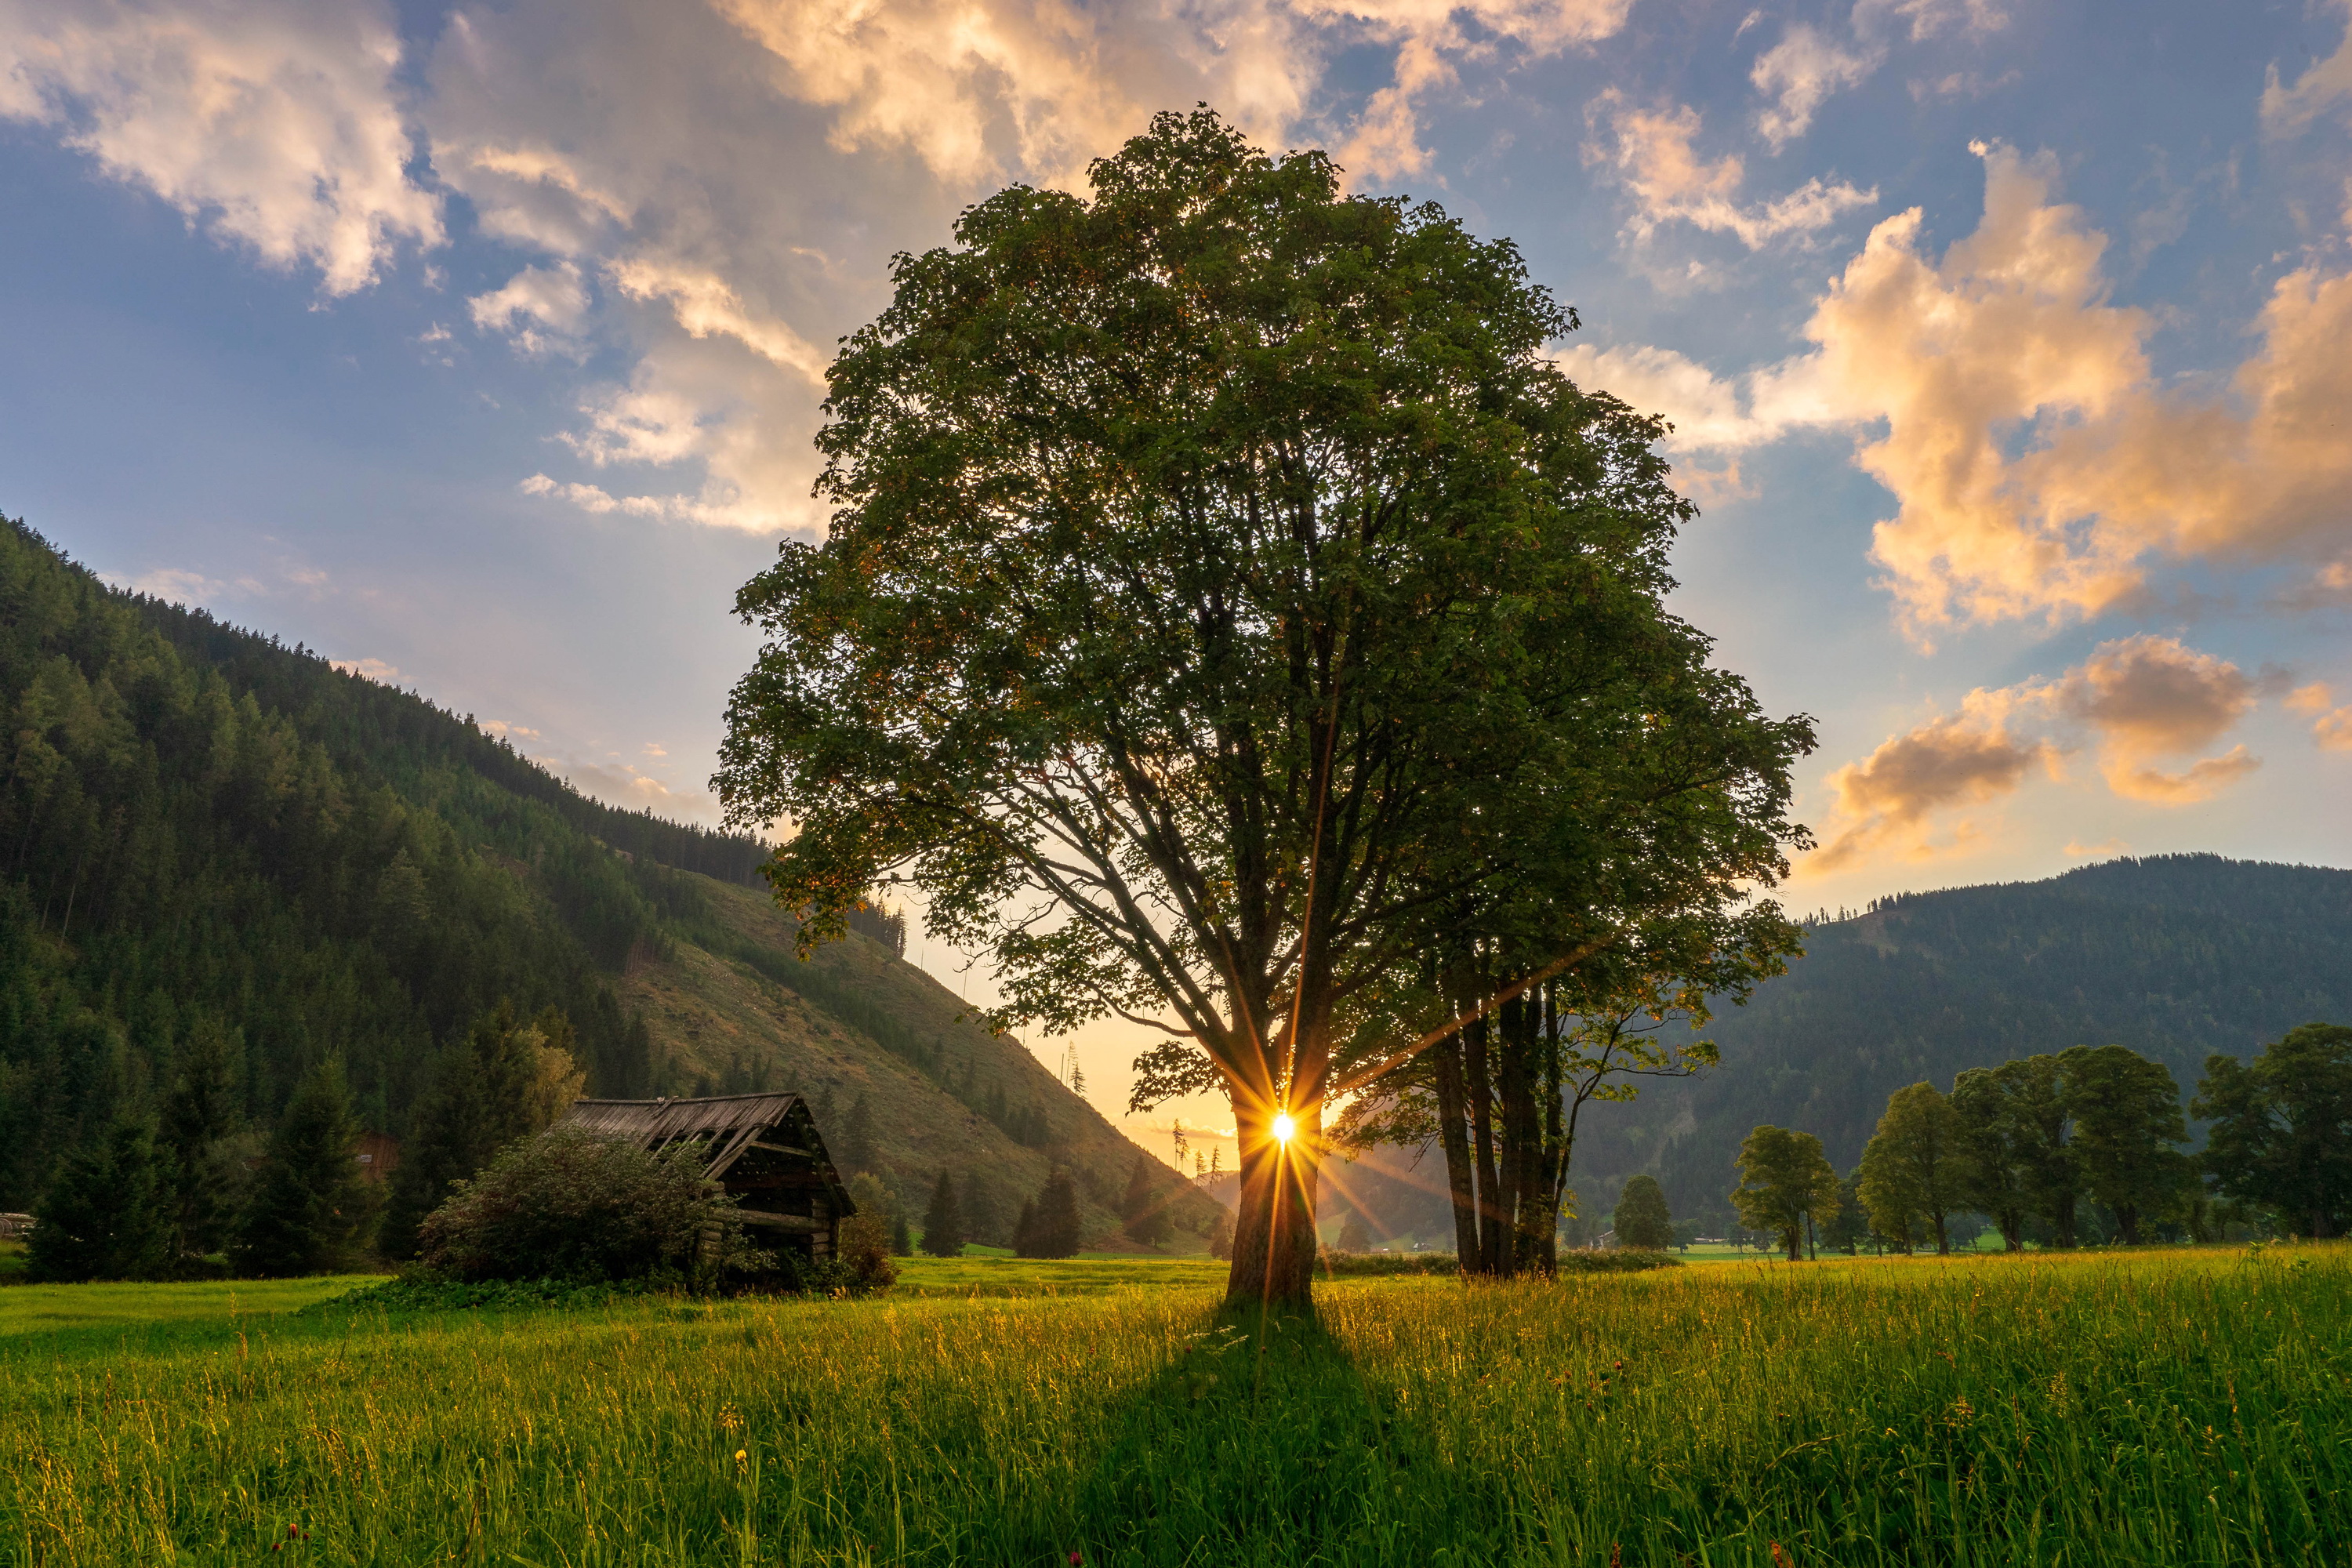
{"x": 763, "y": 1149}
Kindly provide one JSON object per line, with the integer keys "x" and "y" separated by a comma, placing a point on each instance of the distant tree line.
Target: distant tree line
{"x": 2038, "y": 1144}
{"x": 193, "y": 1190}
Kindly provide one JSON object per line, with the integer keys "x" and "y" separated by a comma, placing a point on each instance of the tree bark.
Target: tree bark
{"x": 1455, "y": 1139}
{"x": 1274, "y": 1233}
{"x": 1482, "y": 1129}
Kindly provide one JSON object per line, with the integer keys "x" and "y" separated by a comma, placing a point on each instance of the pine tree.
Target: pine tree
{"x": 1024, "y": 1231}
{"x": 1052, "y": 1221}
{"x": 983, "y": 1221}
{"x": 447, "y": 1141}
{"x": 103, "y": 1217}
{"x": 310, "y": 1211}
{"x": 943, "y": 1221}
{"x": 902, "y": 1238}
{"x": 1142, "y": 1212}
{"x": 197, "y": 1173}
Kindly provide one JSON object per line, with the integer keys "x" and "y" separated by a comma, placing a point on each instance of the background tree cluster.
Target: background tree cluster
{"x": 156, "y": 1199}
{"x": 2029, "y": 1143}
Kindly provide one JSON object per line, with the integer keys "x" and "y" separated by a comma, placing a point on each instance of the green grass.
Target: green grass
{"x": 29, "y": 1308}
{"x": 2087, "y": 1409}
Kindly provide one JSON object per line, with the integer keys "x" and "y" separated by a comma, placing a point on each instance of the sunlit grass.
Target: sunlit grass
{"x": 25, "y": 1308}
{"x": 2110, "y": 1409}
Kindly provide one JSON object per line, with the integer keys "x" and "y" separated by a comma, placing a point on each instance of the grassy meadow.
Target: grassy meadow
{"x": 2091, "y": 1409}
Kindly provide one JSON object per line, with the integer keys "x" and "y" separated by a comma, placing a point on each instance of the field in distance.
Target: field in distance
{"x": 2160, "y": 1406}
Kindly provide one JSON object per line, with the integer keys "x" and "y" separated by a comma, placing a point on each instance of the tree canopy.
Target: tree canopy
{"x": 1225, "y": 594}
{"x": 2282, "y": 1134}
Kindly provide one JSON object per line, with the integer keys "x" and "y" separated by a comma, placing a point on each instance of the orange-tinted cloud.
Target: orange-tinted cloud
{"x": 2147, "y": 704}
{"x": 2331, "y": 726}
{"x": 1887, "y": 800}
{"x": 2008, "y": 404}
{"x": 2149, "y": 697}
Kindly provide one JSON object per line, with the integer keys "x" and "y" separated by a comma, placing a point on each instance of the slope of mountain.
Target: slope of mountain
{"x": 2175, "y": 956}
{"x": 203, "y": 828}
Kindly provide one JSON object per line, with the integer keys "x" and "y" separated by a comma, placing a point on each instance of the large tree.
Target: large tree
{"x": 1221, "y": 582}
{"x": 1916, "y": 1164}
{"x": 2282, "y": 1134}
{"x": 1785, "y": 1183}
{"x": 2128, "y": 1129}
{"x": 1993, "y": 1144}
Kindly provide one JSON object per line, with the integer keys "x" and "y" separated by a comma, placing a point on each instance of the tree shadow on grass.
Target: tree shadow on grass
{"x": 1262, "y": 1443}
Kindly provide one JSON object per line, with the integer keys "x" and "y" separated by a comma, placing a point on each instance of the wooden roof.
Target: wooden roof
{"x": 729, "y": 1123}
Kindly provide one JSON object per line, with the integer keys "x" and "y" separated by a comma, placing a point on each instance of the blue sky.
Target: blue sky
{"x": 2006, "y": 345}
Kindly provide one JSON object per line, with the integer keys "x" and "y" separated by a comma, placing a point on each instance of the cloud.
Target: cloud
{"x": 1708, "y": 412}
{"x": 625, "y": 787}
{"x": 1799, "y": 74}
{"x": 272, "y": 123}
{"x": 2324, "y": 85}
{"x": 2141, "y": 700}
{"x": 1964, "y": 759}
{"x": 502, "y": 729}
{"x": 1650, "y": 152}
{"x": 552, "y": 298}
{"x": 2037, "y": 463}
{"x": 1429, "y": 37}
{"x": 2077, "y": 848}
{"x": 705, "y": 305}
{"x": 2332, "y": 727}
{"x": 374, "y": 670}
{"x": 2149, "y": 697}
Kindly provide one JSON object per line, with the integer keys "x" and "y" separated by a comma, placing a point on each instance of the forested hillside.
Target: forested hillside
{"x": 2174, "y": 956}
{"x": 204, "y": 828}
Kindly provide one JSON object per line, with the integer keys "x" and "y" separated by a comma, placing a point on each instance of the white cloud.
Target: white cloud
{"x": 1799, "y": 74}
{"x": 1652, "y": 152}
{"x": 374, "y": 670}
{"x": 549, "y": 298}
{"x": 272, "y": 123}
{"x": 502, "y": 729}
{"x": 2325, "y": 84}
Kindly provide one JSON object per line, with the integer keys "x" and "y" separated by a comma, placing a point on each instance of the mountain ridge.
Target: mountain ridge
{"x": 204, "y": 828}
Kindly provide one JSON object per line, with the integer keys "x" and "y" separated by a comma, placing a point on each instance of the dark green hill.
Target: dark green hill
{"x": 199, "y": 823}
{"x": 2175, "y": 956}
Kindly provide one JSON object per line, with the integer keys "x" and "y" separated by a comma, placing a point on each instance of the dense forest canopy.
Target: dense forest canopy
{"x": 202, "y": 826}
{"x": 214, "y": 841}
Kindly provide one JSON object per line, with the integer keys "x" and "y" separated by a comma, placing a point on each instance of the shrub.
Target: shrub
{"x": 866, "y": 1251}
{"x": 570, "y": 1206}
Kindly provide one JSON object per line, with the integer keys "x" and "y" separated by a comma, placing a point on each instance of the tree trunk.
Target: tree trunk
{"x": 1943, "y": 1238}
{"x": 1274, "y": 1233}
{"x": 2127, "y": 1221}
{"x": 1522, "y": 1138}
{"x": 1482, "y": 1129}
{"x": 1455, "y": 1140}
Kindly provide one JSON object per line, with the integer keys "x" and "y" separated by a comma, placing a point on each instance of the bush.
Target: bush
{"x": 865, "y": 1252}
{"x": 572, "y": 1207}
